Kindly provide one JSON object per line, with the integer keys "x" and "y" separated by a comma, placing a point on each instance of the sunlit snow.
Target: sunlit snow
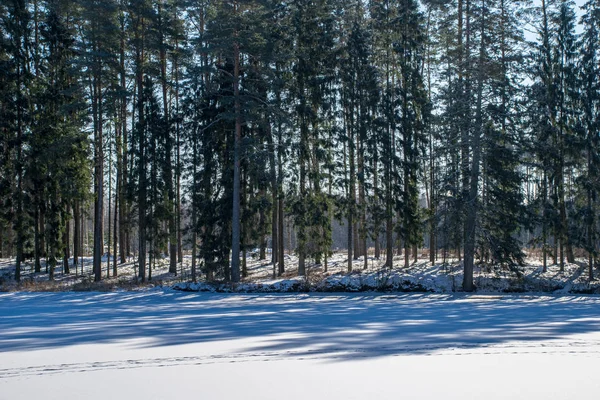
{"x": 157, "y": 344}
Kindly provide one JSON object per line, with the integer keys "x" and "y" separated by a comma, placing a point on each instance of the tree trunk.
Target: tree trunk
{"x": 81, "y": 238}
{"x": 274, "y": 210}
{"x": 122, "y": 154}
{"x": 591, "y": 210}
{"x": 178, "y": 146}
{"x": 76, "y": 234}
{"x": 66, "y": 254}
{"x": 98, "y": 184}
{"x": 263, "y": 230}
{"x": 471, "y": 217}
{"x": 389, "y": 243}
{"x": 349, "y": 187}
{"x": 350, "y": 242}
{"x": 43, "y": 252}
{"x": 172, "y": 221}
{"x": 544, "y": 223}
{"x": 563, "y": 218}
{"x": 236, "y": 231}
{"x": 281, "y": 243}
{"x": 355, "y": 236}
{"x": 142, "y": 156}
{"x": 432, "y": 205}
{"x": 37, "y": 244}
{"x": 194, "y": 207}
{"x": 280, "y": 196}
{"x": 244, "y": 263}
{"x": 415, "y": 253}
{"x": 115, "y": 226}
{"x": 108, "y": 236}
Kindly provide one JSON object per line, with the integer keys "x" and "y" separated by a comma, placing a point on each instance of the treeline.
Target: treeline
{"x": 212, "y": 126}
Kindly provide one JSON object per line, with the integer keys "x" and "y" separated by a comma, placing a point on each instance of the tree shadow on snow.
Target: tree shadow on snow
{"x": 330, "y": 326}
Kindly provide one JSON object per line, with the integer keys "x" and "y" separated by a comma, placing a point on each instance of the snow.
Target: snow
{"x": 418, "y": 277}
{"x": 82, "y": 281}
{"x": 157, "y": 344}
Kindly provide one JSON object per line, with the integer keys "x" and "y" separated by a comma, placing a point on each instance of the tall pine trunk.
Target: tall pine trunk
{"x": 471, "y": 217}
{"x": 142, "y": 156}
{"x": 274, "y": 192}
{"x": 122, "y": 152}
{"x": 76, "y": 234}
{"x": 236, "y": 215}
{"x": 65, "y": 243}
{"x": 98, "y": 182}
{"x": 168, "y": 168}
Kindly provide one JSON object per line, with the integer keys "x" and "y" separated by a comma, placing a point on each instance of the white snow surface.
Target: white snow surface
{"x": 165, "y": 344}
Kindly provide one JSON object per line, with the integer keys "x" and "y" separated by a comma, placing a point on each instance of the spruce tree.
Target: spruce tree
{"x": 589, "y": 71}
{"x": 16, "y": 24}
{"x": 502, "y": 199}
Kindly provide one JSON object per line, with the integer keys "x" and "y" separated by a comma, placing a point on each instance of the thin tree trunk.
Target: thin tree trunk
{"x": 376, "y": 218}
{"x": 591, "y": 210}
{"x": 43, "y": 252}
{"x": 194, "y": 207}
{"x": 115, "y": 224}
{"x": 236, "y": 229}
{"x": 82, "y": 237}
{"x": 76, "y": 234}
{"x": 432, "y": 205}
{"x": 263, "y": 231}
{"x": 244, "y": 263}
{"x": 349, "y": 221}
{"x": 37, "y": 244}
{"x": 122, "y": 155}
{"x": 142, "y": 157}
{"x": 66, "y": 254}
{"x": 563, "y": 218}
{"x": 280, "y": 196}
{"x": 98, "y": 184}
{"x": 109, "y": 208}
{"x": 274, "y": 194}
{"x": 389, "y": 243}
{"x": 544, "y": 223}
{"x": 172, "y": 220}
{"x": 178, "y": 146}
{"x": 415, "y": 253}
{"x": 471, "y": 217}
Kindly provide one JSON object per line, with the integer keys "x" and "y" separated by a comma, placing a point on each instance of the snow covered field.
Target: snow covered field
{"x": 162, "y": 344}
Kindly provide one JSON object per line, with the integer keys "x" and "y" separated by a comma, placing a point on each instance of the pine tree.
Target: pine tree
{"x": 566, "y": 83}
{"x": 139, "y": 12}
{"x": 502, "y": 199}
{"x": 59, "y": 149}
{"x": 385, "y": 34}
{"x": 163, "y": 22}
{"x": 414, "y": 112}
{"x": 543, "y": 113}
{"x": 16, "y": 23}
{"x": 314, "y": 41}
{"x": 590, "y": 101}
{"x": 100, "y": 44}
{"x": 473, "y": 140}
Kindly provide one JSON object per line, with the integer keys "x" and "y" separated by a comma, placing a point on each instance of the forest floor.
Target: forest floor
{"x": 165, "y": 344}
{"x": 418, "y": 277}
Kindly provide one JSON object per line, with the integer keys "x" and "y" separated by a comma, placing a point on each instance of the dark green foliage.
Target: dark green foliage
{"x": 235, "y": 119}
{"x": 503, "y": 211}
